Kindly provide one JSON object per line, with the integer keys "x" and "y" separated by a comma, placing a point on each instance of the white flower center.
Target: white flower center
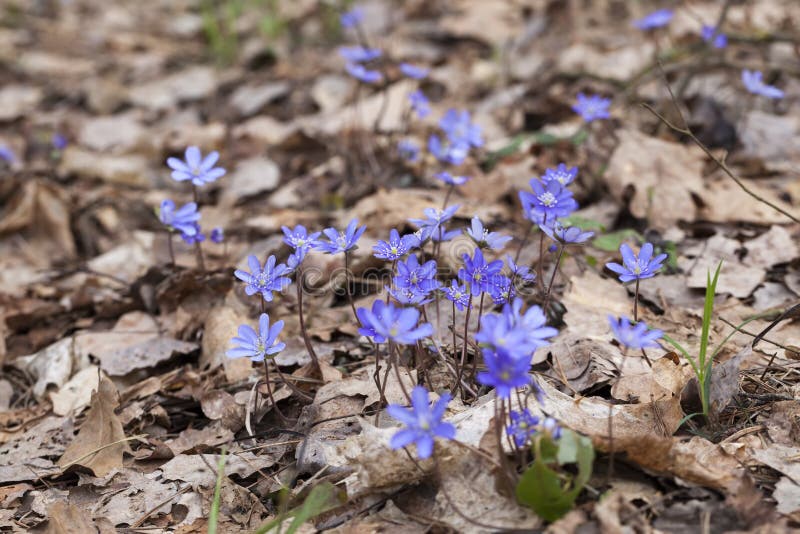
{"x": 547, "y": 199}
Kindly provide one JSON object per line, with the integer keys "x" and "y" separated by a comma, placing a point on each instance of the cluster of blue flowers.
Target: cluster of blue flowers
{"x": 751, "y": 79}
{"x": 186, "y": 219}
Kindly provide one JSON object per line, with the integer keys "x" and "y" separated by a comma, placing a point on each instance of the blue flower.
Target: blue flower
{"x": 196, "y": 237}
{"x": 753, "y": 82}
{"x": 257, "y": 345}
{"x": 387, "y": 322}
{"x": 412, "y": 275}
{"x": 196, "y": 168}
{"x": 551, "y": 426}
{"x": 352, "y": 18}
{"x": 458, "y": 294}
{"x": 592, "y": 107}
{"x": 299, "y": 238}
{"x": 413, "y": 71}
{"x": 523, "y": 426}
{"x": 182, "y": 220}
{"x": 478, "y": 274}
{"x": 423, "y": 422}
{"x": 420, "y": 104}
{"x": 720, "y": 40}
{"x": 265, "y": 281}
{"x": 58, "y": 141}
{"x": 217, "y": 235}
{"x": 396, "y": 247}
{"x": 434, "y": 221}
{"x": 656, "y": 19}
{"x": 548, "y": 201}
{"x": 449, "y": 179}
{"x": 460, "y": 129}
{"x": 359, "y": 54}
{"x": 501, "y": 289}
{"x": 637, "y": 267}
{"x": 634, "y": 336}
{"x": 569, "y": 235}
{"x": 410, "y": 296}
{"x": 447, "y": 151}
{"x": 341, "y": 241}
{"x": 504, "y": 371}
{"x": 520, "y": 271}
{"x": 532, "y": 323}
{"x": 7, "y": 155}
{"x": 484, "y": 238}
{"x": 408, "y": 150}
{"x": 560, "y": 174}
{"x": 360, "y": 72}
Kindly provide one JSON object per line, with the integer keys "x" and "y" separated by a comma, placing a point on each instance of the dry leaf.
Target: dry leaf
{"x": 98, "y": 445}
{"x": 64, "y": 518}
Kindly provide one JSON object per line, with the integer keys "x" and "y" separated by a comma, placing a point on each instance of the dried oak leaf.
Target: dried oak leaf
{"x": 99, "y": 444}
{"x": 64, "y": 518}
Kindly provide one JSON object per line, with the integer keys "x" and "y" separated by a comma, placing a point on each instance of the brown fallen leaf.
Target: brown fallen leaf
{"x": 64, "y": 518}
{"x": 99, "y": 446}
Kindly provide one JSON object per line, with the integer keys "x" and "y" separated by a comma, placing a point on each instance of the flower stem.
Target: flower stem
{"x": 171, "y": 249}
{"x": 552, "y": 279}
{"x": 464, "y": 346}
{"x": 475, "y": 359}
{"x": 636, "y": 303}
{"x": 303, "y": 331}
{"x": 269, "y": 392}
{"x": 347, "y": 286}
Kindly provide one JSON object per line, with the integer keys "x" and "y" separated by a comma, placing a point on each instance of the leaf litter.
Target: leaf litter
{"x": 118, "y": 398}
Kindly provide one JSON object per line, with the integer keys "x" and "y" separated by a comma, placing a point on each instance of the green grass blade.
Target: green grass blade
{"x": 213, "y": 515}
{"x": 708, "y": 310}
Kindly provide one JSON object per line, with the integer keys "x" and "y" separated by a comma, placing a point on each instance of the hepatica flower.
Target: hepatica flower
{"x": 656, "y": 19}
{"x": 548, "y": 201}
{"x": 484, "y": 238}
{"x": 200, "y": 170}
{"x": 360, "y": 72}
{"x": 636, "y": 336}
{"x": 299, "y": 238}
{"x": 448, "y": 151}
{"x": 501, "y": 289}
{"x": 352, "y": 18}
{"x": 592, "y": 108}
{"x": 408, "y": 150}
{"x": 458, "y": 294}
{"x": 397, "y": 246}
{"x": 560, "y": 174}
{"x": 7, "y": 155}
{"x": 449, "y": 179}
{"x": 720, "y": 40}
{"x": 388, "y": 322}
{"x": 183, "y": 219}
{"x": 197, "y": 237}
{"x": 412, "y": 275}
{"x": 523, "y": 426}
{"x": 460, "y": 129}
{"x": 522, "y": 272}
{"x": 359, "y": 54}
{"x": 753, "y": 82}
{"x": 420, "y": 104}
{"x": 635, "y": 267}
{"x": 566, "y": 235}
{"x": 532, "y": 323}
{"x": 263, "y": 280}
{"x": 341, "y": 241}
{"x": 423, "y": 422}
{"x": 434, "y": 220}
{"x": 504, "y": 371}
{"x": 58, "y": 141}
{"x": 413, "y": 71}
{"x": 257, "y": 345}
{"x": 477, "y": 273}
{"x": 217, "y": 235}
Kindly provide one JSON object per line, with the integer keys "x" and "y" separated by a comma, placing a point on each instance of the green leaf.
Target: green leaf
{"x": 611, "y": 242}
{"x": 320, "y": 499}
{"x": 540, "y": 489}
{"x": 213, "y": 514}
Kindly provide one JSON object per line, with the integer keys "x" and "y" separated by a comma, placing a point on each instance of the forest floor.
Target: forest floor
{"x": 117, "y": 399}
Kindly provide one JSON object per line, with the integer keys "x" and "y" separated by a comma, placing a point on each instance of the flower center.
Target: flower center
{"x": 547, "y": 199}
{"x": 394, "y": 250}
